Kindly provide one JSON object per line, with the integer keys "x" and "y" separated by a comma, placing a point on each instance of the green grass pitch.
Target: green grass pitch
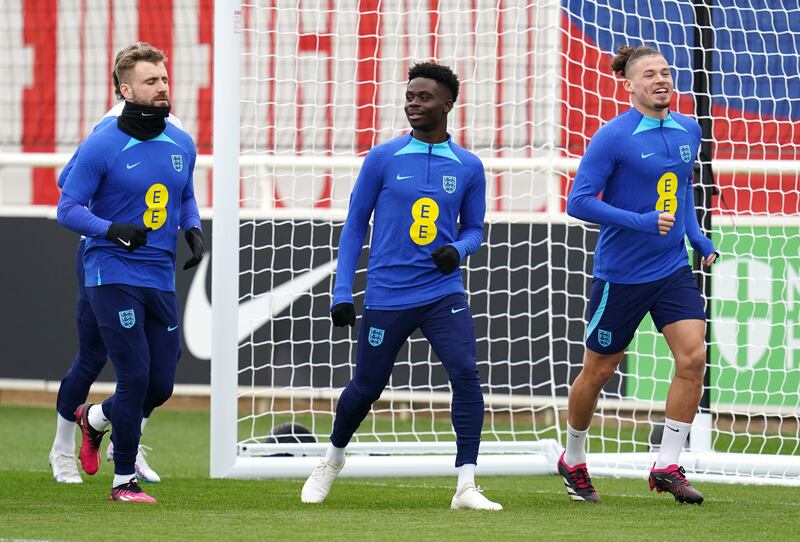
{"x": 193, "y": 507}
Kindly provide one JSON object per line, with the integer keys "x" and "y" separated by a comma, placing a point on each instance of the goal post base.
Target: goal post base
{"x": 400, "y": 459}
{"x": 390, "y": 466}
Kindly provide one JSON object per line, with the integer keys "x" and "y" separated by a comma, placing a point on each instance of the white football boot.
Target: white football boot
{"x": 319, "y": 483}
{"x": 470, "y": 497}
{"x": 144, "y": 472}
{"x": 65, "y": 467}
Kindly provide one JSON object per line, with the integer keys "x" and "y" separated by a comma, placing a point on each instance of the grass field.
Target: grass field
{"x": 193, "y": 507}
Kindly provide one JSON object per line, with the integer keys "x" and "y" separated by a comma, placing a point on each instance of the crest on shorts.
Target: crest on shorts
{"x": 449, "y": 183}
{"x": 127, "y": 318}
{"x": 603, "y": 337}
{"x": 375, "y": 336}
{"x": 177, "y": 162}
{"x": 686, "y": 153}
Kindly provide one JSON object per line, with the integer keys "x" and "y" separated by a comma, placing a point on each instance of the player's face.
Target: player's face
{"x": 149, "y": 85}
{"x": 427, "y": 104}
{"x": 650, "y": 84}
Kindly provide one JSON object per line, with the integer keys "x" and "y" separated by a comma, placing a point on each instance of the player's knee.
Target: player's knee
{"x": 364, "y": 392}
{"x": 599, "y": 374}
{"x": 466, "y": 383}
{"x": 157, "y": 395}
{"x": 692, "y": 364}
{"x": 134, "y": 380}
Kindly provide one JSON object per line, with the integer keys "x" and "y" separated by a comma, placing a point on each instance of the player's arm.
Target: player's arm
{"x": 596, "y": 167}
{"x": 190, "y": 220}
{"x": 362, "y": 203}
{"x": 79, "y": 187}
{"x": 62, "y": 177}
{"x": 470, "y": 231}
{"x": 700, "y": 243}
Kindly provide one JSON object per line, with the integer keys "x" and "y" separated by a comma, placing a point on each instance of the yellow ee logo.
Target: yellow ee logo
{"x": 156, "y": 199}
{"x": 423, "y": 230}
{"x": 667, "y": 188}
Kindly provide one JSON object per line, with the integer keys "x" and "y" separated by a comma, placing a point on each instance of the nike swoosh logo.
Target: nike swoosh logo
{"x": 404, "y": 177}
{"x": 648, "y": 155}
{"x": 670, "y": 428}
{"x": 147, "y": 114}
{"x": 126, "y": 243}
{"x": 131, "y": 166}
{"x": 455, "y": 310}
{"x": 172, "y": 328}
{"x": 253, "y": 313}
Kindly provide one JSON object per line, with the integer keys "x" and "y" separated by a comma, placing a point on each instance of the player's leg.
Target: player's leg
{"x": 448, "y": 326}
{"x": 121, "y": 316}
{"x": 380, "y": 337}
{"x": 680, "y": 315}
{"x": 161, "y": 327}
{"x": 144, "y": 471}
{"x": 74, "y": 388}
{"x": 614, "y": 313}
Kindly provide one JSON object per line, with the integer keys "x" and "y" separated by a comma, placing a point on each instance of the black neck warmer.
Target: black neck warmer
{"x": 142, "y": 121}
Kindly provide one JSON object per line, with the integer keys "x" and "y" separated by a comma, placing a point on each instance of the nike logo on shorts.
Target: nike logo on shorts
{"x": 172, "y": 328}
{"x": 455, "y": 310}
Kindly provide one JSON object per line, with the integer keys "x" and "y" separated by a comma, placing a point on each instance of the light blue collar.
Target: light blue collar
{"x": 415, "y": 146}
{"x": 160, "y": 137}
{"x": 649, "y": 123}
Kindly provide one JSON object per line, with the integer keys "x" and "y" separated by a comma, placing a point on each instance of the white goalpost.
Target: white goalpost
{"x": 302, "y": 92}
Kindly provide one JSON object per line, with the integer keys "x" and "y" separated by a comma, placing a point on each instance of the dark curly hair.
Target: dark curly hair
{"x": 627, "y": 55}
{"x": 439, "y": 73}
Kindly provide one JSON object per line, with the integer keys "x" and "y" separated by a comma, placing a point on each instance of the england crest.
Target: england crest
{"x": 603, "y": 337}
{"x": 449, "y": 183}
{"x": 686, "y": 153}
{"x": 127, "y": 318}
{"x": 375, "y": 336}
{"x": 177, "y": 162}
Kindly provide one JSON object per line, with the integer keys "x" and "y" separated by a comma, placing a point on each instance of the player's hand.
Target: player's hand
{"x": 194, "y": 238}
{"x": 343, "y": 314}
{"x": 127, "y": 236}
{"x": 711, "y": 258}
{"x": 446, "y": 259}
{"x": 665, "y": 223}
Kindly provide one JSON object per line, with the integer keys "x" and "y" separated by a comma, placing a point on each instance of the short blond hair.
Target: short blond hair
{"x": 128, "y": 57}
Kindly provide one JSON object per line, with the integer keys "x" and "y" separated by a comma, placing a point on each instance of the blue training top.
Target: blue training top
{"x": 418, "y": 191}
{"x": 124, "y": 180}
{"x": 643, "y": 167}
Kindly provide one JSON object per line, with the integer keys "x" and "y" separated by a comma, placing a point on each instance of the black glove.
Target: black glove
{"x": 194, "y": 238}
{"x": 446, "y": 259}
{"x": 127, "y": 236}
{"x": 343, "y": 314}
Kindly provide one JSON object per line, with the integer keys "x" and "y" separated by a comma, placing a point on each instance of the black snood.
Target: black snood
{"x": 142, "y": 121}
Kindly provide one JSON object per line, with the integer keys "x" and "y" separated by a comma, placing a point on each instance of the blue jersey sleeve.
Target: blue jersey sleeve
{"x": 75, "y": 216}
{"x": 471, "y": 215}
{"x": 80, "y": 185}
{"x": 594, "y": 171}
{"x": 362, "y": 203}
{"x": 700, "y": 243}
{"x": 190, "y": 216}
{"x": 62, "y": 177}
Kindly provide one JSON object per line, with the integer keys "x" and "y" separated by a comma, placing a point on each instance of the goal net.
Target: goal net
{"x": 304, "y": 90}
